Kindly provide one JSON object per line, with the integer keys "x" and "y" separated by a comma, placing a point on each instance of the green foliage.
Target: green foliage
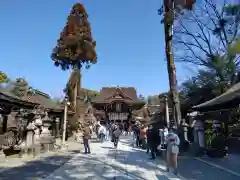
{"x": 20, "y": 87}
{"x": 3, "y": 77}
{"x": 154, "y": 100}
{"x": 73, "y": 123}
{"x": 235, "y": 48}
{"x": 90, "y": 94}
{"x": 57, "y": 100}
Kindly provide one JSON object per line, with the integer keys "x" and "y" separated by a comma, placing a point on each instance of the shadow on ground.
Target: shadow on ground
{"x": 89, "y": 167}
{"x": 119, "y": 164}
{"x": 35, "y": 169}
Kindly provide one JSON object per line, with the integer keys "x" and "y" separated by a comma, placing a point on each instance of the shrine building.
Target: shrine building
{"x": 117, "y": 104}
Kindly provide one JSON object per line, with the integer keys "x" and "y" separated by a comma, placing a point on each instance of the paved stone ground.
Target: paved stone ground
{"x": 29, "y": 168}
{"x": 230, "y": 163}
{"x": 194, "y": 169}
{"x": 105, "y": 162}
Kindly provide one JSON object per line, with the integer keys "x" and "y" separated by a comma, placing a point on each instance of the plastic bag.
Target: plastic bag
{"x": 175, "y": 149}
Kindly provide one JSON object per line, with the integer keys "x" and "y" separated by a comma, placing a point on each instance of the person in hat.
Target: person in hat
{"x": 172, "y": 141}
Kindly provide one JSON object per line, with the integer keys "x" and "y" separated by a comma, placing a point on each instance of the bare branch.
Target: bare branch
{"x": 195, "y": 31}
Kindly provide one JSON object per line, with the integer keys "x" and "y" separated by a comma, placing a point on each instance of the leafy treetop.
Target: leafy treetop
{"x": 3, "y": 77}
{"x": 75, "y": 45}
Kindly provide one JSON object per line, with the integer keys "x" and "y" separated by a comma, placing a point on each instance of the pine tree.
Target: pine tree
{"x": 75, "y": 45}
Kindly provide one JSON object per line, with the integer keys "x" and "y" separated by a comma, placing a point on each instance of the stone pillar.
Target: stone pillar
{"x": 196, "y": 121}
{"x": 199, "y": 133}
{"x": 166, "y": 111}
{"x": 11, "y": 120}
{"x": 38, "y": 123}
{"x": 57, "y": 127}
{"x": 30, "y": 137}
{"x": 185, "y": 129}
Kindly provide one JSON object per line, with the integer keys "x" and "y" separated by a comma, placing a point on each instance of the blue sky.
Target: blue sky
{"x": 130, "y": 44}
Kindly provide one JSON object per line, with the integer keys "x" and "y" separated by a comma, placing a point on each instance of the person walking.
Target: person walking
{"x": 102, "y": 133}
{"x": 143, "y": 136}
{"x": 137, "y": 134}
{"x": 112, "y": 128}
{"x": 97, "y": 127}
{"x": 116, "y": 134}
{"x": 86, "y": 137}
{"x": 172, "y": 141}
{"x": 107, "y": 131}
{"x": 154, "y": 141}
{"x": 148, "y": 137}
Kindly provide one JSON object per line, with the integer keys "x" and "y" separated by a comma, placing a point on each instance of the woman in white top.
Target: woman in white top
{"x": 172, "y": 141}
{"x": 102, "y": 132}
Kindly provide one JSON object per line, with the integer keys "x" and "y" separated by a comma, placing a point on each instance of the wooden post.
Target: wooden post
{"x": 65, "y": 121}
{"x": 167, "y": 112}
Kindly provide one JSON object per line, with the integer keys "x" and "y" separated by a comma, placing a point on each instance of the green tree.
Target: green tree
{"x": 20, "y": 88}
{"x": 235, "y": 48}
{"x": 3, "y": 77}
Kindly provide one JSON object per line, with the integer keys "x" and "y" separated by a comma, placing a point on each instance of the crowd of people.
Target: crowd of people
{"x": 147, "y": 137}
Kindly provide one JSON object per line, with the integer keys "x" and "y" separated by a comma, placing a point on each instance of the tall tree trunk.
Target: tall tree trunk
{"x": 168, "y": 23}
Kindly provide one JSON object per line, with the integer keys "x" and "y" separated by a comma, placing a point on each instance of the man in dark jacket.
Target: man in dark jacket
{"x": 154, "y": 141}
{"x": 116, "y": 134}
{"x": 148, "y": 138}
{"x": 86, "y": 136}
{"x": 137, "y": 131}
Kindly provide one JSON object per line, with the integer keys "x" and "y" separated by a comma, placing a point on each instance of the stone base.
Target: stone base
{"x": 36, "y": 150}
{"x": 48, "y": 147}
{"x": 2, "y": 157}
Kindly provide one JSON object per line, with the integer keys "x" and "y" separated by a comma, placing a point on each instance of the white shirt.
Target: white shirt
{"x": 102, "y": 129}
{"x": 165, "y": 132}
{"x": 172, "y": 139}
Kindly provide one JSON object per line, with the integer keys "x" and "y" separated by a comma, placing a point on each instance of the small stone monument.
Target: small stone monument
{"x": 46, "y": 138}
{"x": 38, "y": 123}
{"x": 29, "y": 144}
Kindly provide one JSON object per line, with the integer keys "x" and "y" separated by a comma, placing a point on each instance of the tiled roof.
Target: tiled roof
{"x": 107, "y": 92}
{"x": 37, "y": 97}
{"x": 44, "y": 100}
{"x": 227, "y": 98}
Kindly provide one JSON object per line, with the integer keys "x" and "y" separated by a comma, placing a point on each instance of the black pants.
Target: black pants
{"x": 148, "y": 146}
{"x": 86, "y": 145}
{"x": 101, "y": 137}
{"x": 138, "y": 141}
{"x": 115, "y": 141}
{"x": 153, "y": 150}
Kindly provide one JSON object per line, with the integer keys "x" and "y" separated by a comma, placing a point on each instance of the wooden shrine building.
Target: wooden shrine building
{"x": 117, "y": 103}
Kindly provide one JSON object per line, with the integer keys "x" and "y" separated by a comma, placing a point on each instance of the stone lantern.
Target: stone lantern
{"x": 57, "y": 121}
{"x": 198, "y": 128}
{"x": 46, "y": 137}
